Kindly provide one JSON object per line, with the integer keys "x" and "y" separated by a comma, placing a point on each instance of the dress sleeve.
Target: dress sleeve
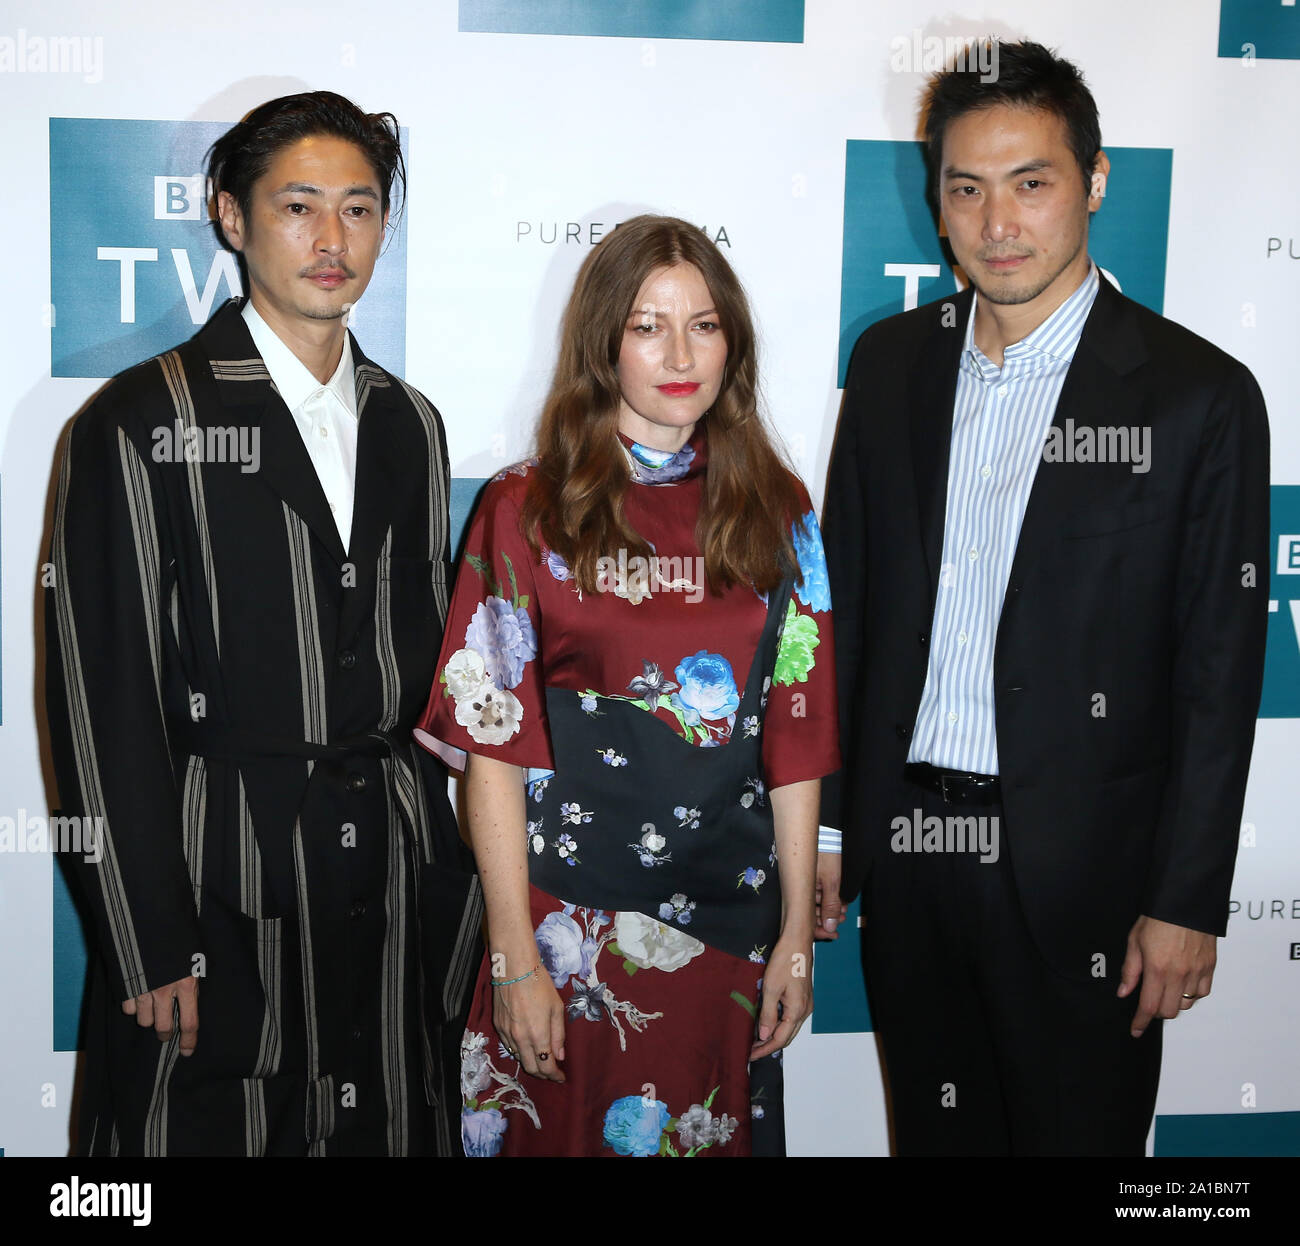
{"x": 801, "y": 726}
{"x": 489, "y": 697}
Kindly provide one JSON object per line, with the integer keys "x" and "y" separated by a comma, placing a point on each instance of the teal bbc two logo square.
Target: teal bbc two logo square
{"x": 135, "y": 266}
{"x": 1259, "y": 29}
{"x": 753, "y": 21}
{"x": 894, "y": 259}
{"x": 1281, "y": 696}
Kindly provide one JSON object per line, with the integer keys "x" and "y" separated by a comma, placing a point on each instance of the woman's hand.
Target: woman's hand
{"x": 529, "y": 1016}
{"x": 787, "y": 982}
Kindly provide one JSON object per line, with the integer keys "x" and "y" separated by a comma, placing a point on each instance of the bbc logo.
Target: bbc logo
{"x": 179, "y": 198}
{"x": 1288, "y": 554}
{"x": 1295, "y": 951}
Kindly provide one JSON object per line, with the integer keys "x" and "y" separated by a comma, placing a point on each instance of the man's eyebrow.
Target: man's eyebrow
{"x": 306, "y": 188}
{"x": 953, "y": 173}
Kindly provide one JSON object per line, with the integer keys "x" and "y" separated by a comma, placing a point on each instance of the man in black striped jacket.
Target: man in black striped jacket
{"x": 250, "y": 548}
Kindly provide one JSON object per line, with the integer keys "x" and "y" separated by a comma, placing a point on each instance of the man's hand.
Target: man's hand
{"x": 830, "y": 908}
{"x": 156, "y": 1008}
{"x": 1175, "y": 964}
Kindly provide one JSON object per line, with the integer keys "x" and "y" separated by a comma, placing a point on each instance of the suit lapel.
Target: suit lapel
{"x": 1095, "y": 392}
{"x": 388, "y": 468}
{"x": 286, "y": 468}
{"x": 930, "y": 427}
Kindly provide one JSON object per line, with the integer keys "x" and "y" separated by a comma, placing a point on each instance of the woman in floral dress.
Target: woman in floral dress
{"x": 638, "y": 664}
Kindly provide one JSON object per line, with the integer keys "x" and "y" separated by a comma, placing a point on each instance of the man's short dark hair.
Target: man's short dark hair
{"x": 241, "y": 155}
{"x": 1028, "y": 75}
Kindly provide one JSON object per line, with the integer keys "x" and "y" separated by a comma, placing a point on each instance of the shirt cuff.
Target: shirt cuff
{"x": 828, "y": 839}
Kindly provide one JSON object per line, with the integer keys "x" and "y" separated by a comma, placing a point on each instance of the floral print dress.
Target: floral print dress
{"x": 652, "y": 718}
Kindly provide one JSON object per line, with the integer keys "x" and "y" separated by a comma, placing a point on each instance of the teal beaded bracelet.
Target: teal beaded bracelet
{"x": 512, "y": 981}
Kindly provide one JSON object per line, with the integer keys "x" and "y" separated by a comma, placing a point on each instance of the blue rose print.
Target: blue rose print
{"x": 633, "y": 1125}
{"x": 482, "y": 1132}
{"x": 814, "y": 588}
{"x": 502, "y": 635}
{"x": 559, "y": 943}
{"x": 707, "y": 685}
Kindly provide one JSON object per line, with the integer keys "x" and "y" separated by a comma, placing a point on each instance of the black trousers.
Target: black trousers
{"x": 988, "y": 1050}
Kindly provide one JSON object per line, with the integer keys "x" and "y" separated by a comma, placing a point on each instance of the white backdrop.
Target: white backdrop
{"x": 512, "y": 137}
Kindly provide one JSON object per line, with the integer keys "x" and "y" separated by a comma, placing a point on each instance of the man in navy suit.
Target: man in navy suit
{"x": 1047, "y": 530}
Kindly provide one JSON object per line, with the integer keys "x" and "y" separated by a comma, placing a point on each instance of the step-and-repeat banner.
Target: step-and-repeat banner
{"x": 786, "y": 130}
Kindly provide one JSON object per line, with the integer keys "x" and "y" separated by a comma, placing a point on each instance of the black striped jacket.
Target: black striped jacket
{"x": 233, "y": 694}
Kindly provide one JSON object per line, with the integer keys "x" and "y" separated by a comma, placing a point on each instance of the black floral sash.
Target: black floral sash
{"x": 636, "y": 818}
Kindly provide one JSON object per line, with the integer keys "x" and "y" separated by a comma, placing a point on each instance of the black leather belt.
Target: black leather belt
{"x": 957, "y": 787}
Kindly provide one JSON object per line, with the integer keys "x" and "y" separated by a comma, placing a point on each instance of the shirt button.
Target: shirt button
{"x": 324, "y": 432}
{"x": 347, "y": 660}
{"x": 358, "y": 910}
{"x": 356, "y": 783}
{"x": 952, "y": 716}
{"x": 962, "y": 638}
{"x": 1002, "y": 391}
{"x": 973, "y": 554}
{"x": 986, "y": 471}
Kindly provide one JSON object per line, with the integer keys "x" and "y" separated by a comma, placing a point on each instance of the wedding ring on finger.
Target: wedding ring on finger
{"x": 543, "y": 1055}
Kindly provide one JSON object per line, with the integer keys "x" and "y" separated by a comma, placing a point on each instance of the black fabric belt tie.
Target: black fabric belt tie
{"x": 222, "y": 741}
{"x": 957, "y": 787}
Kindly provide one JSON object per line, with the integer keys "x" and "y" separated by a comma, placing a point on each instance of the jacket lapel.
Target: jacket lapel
{"x": 930, "y": 426}
{"x": 389, "y": 468}
{"x": 1095, "y": 392}
{"x": 242, "y": 381}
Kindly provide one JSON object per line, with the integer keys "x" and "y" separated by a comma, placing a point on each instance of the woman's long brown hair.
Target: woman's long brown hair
{"x": 575, "y": 497}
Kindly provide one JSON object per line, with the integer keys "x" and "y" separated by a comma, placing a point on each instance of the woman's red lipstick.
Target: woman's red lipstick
{"x": 678, "y": 389}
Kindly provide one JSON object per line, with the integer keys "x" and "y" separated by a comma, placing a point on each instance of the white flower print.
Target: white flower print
{"x": 650, "y": 944}
{"x": 567, "y": 847}
{"x": 650, "y": 847}
{"x": 464, "y": 673}
{"x": 491, "y": 715}
{"x": 572, "y": 813}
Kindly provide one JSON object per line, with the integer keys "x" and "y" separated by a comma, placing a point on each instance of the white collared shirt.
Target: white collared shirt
{"x": 1001, "y": 416}
{"x": 325, "y": 415}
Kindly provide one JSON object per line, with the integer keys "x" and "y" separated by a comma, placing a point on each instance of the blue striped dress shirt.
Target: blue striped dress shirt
{"x": 1000, "y": 420}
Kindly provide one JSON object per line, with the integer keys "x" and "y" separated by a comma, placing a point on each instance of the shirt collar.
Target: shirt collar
{"x": 1056, "y": 338}
{"x": 291, "y": 376}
